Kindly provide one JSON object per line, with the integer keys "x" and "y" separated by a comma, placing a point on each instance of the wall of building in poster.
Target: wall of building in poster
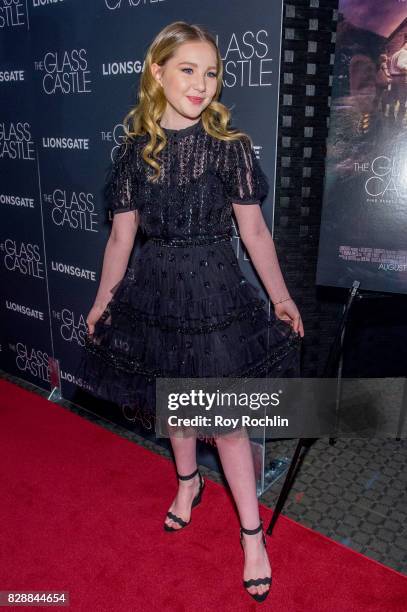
{"x": 364, "y": 215}
{"x": 69, "y": 72}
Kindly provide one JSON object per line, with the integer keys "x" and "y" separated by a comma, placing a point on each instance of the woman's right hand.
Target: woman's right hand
{"x": 93, "y": 316}
{"x": 288, "y": 312}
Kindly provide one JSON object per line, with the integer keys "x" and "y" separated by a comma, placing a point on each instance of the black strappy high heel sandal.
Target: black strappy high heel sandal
{"x": 255, "y": 581}
{"x": 195, "y": 502}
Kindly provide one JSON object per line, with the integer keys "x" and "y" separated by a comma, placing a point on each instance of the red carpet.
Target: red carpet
{"x": 82, "y": 511}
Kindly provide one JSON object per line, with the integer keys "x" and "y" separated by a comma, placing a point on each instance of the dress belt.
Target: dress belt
{"x": 188, "y": 240}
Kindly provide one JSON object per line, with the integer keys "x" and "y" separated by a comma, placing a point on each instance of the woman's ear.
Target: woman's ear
{"x": 156, "y": 72}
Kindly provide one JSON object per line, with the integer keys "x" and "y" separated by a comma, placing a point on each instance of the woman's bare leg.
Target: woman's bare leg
{"x": 185, "y": 459}
{"x": 237, "y": 462}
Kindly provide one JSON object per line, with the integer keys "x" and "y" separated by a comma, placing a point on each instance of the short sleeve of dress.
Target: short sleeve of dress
{"x": 122, "y": 181}
{"x": 244, "y": 180}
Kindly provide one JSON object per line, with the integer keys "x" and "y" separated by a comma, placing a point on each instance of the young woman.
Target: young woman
{"x": 184, "y": 309}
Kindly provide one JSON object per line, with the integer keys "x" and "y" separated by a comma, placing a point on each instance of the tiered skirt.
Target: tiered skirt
{"x": 183, "y": 310}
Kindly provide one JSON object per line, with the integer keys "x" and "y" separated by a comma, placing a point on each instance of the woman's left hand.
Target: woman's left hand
{"x": 288, "y": 312}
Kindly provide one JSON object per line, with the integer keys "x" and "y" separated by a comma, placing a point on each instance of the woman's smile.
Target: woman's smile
{"x": 195, "y": 100}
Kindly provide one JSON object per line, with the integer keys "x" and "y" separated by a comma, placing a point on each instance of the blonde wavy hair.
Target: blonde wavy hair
{"x": 144, "y": 117}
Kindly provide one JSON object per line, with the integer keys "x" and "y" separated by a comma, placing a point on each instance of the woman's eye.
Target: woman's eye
{"x": 212, "y": 73}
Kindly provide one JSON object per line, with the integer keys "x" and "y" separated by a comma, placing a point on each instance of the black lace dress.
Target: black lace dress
{"x": 184, "y": 309}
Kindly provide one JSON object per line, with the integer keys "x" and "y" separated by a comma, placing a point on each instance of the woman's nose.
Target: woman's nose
{"x": 200, "y": 83}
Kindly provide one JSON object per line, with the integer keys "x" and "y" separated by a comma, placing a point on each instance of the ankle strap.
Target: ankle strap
{"x": 252, "y": 531}
{"x": 189, "y": 475}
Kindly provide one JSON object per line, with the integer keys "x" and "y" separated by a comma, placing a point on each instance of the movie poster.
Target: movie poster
{"x": 364, "y": 217}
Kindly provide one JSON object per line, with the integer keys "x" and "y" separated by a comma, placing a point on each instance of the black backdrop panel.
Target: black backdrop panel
{"x": 78, "y": 66}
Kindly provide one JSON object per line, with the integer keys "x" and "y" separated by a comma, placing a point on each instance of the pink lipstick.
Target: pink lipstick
{"x": 195, "y": 100}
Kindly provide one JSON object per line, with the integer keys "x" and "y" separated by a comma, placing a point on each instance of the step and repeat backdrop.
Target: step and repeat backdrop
{"x": 69, "y": 72}
{"x": 364, "y": 218}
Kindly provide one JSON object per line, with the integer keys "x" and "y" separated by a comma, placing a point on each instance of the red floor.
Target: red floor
{"x": 82, "y": 511}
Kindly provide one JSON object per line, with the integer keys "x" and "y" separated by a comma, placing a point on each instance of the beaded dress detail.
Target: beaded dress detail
{"x": 184, "y": 309}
